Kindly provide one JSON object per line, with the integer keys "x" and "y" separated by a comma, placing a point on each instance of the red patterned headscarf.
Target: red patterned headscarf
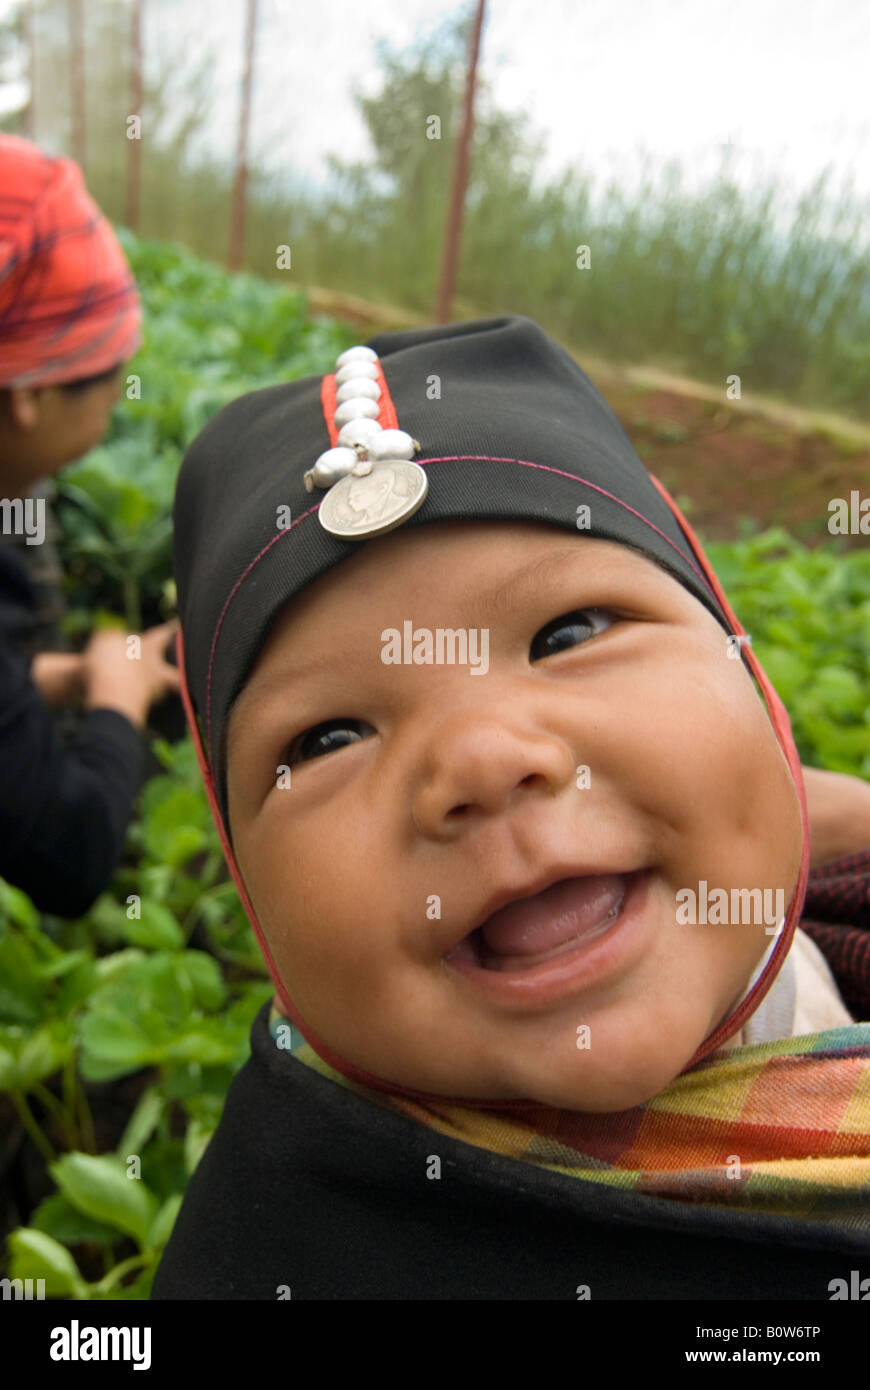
{"x": 68, "y": 302}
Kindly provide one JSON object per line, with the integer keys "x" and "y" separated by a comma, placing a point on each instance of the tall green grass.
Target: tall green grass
{"x": 711, "y": 282}
{"x": 714, "y": 281}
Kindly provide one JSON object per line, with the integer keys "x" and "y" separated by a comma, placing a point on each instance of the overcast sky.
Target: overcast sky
{"x": 785, "y": 80}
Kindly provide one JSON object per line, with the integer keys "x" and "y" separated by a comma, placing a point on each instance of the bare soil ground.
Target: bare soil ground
{"x": 733, "y": 459}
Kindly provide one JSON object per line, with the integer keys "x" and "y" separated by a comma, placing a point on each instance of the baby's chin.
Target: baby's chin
{"x": 631, "y": 1062}
{"x": 605, "y": 1095}
{"x": 598, "y": 1092}
{"x": 636, "y": 1062}
{"x": 623, "y": 1082}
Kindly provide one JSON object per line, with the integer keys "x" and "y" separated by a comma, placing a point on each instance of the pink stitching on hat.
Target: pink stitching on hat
{"x": 548, "y": 468}
{"x": 231, "y": 595}
{"x": 444, "y": 458}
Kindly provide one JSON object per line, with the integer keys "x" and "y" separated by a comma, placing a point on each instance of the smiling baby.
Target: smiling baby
{"x": 466, "y": 875}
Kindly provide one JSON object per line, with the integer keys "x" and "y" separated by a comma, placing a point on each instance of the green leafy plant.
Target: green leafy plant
{"x": 808, "y": 614}
{"x": 122, "y": 993}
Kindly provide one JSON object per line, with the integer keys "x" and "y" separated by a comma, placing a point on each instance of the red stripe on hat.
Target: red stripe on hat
{"x": 782, "y": 727}
{"x": 387, "y": 418}
{"x": 193, "y": 725}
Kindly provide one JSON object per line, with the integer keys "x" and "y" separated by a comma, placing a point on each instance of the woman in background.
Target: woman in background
{"x": 69, "y": 320}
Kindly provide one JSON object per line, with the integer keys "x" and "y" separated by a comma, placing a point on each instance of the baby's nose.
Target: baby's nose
{"x": 478, "y": 767}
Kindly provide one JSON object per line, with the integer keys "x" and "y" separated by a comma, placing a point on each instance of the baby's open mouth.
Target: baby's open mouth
{"x": 533, "y": 930}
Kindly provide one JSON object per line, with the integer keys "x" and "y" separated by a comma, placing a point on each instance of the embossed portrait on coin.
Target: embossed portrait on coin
{"x": 376, "y": 496}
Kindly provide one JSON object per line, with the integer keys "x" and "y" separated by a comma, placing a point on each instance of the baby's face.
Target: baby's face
{"x": 436, "y": 796}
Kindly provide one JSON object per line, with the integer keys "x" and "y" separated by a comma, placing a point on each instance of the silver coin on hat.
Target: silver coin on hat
{"x": 359, "y": 507}
{"x": 372, "y": 483}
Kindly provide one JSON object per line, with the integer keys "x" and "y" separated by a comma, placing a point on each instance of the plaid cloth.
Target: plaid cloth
{"x": 782, "y": 1127}
{"x": 838, "y": 894}
{"x": 68, "y": 302}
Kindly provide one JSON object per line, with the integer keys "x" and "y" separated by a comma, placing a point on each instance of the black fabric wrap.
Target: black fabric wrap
{"x": 507, "y": 392}
{"x": 330, "y": 1201}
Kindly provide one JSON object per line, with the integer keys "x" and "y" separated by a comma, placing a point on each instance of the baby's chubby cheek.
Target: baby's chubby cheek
{"x": 732, "y": 821}
{"x": 329, "y": 916}
{"x": 714, "y": 774}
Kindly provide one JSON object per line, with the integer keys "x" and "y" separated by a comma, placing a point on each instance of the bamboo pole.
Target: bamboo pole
{"x": 77, "y": 84}
{"x": 236, "y": 248}
{"x": 28, "y": 34}
{"x": 453, "y": 229}
{"x": 137, "y": 94}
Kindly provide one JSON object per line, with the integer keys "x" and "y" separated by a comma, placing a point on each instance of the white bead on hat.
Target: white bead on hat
{"x": 373, "y": 484}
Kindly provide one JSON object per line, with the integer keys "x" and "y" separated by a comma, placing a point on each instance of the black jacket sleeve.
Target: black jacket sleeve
{"x": 64, "y": 808}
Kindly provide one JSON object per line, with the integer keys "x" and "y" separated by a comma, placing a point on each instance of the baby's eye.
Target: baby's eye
{"x": 568, "y": 630}
{"x": 325, "y": 738}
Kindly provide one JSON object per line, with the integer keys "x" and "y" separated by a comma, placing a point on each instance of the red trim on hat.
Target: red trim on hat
{"x": 230, "y": 596}
{"x": 387, "y": 418}
{"x": 782, "y": 727}
{"x": 286, "y": 1004}
{"x": 328, "y": 391}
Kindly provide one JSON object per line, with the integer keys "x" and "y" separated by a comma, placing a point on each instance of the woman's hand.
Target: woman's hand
{"x": 59, "y": 677}
{"x": 838, "y": 807}
{"x": 126, "y": 678}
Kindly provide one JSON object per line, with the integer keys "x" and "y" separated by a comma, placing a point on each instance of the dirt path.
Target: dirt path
{"x": 755, "y": 458}
{"x": 721, "y": 459}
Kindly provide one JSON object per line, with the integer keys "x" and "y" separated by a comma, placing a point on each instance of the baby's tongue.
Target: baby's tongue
{"x": 572, "y": 908}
